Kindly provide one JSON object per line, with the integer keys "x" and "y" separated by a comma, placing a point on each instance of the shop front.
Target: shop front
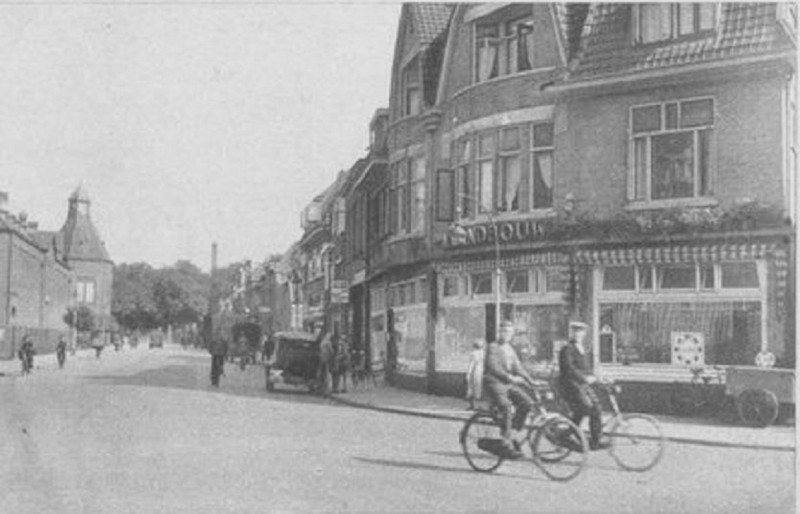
{"x": 660, "y": 311}
{"x": 532, "y": 295}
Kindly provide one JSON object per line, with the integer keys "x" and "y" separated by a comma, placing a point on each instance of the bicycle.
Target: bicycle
{"x": 557, "y": 446}
{"x": 637, "y": 442}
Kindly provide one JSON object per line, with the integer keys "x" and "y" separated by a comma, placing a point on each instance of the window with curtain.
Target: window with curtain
{"x": 417, "y": 188}
{"x": 485, "y": 160}
{"x": 510, "y": 171}
{"x": 519, "y": 45}
{"x": 487, "y": 44}
{"x": 542, "y": 147}
{"x": 505, "y": 45}
{"x": 664, "y": 21}
{"x": 671, "y": 150}
{"x": 466, "y": 192}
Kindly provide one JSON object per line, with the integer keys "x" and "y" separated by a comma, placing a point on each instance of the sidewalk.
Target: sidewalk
{"x": 704, "y": 432}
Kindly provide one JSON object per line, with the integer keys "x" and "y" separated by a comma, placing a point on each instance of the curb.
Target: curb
{"x": 452, "y": 417}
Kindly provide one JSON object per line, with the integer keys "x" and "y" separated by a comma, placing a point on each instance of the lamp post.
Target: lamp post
{"x": 458, "y": 234}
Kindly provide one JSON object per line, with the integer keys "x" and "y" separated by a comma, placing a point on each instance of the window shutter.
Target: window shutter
{"x": 631, "y": 171}
{"x": 445, "y": 195}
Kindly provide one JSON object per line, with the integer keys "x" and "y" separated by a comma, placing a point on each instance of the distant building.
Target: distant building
{"x": 44, "y": 273}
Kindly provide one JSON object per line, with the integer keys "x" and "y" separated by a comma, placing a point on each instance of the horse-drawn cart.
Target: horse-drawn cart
{"x": 759, "y": 392}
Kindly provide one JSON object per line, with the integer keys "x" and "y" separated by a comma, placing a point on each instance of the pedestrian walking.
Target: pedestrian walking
{"x": 218, "y": 350}
{"x": 341, "y": 366}
{"x": 474, "y": 373}
{"x": 61, "y": 351}
{"x": 25, "y": 354}
{"x": 98, "y": 344}
{"x": 325, "y": 361}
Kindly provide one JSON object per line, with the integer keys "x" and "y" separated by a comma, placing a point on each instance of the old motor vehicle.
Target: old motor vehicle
{"x": 294, "y": 361}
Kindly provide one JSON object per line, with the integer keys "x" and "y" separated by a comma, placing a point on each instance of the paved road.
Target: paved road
{"x": 140, "y": 431}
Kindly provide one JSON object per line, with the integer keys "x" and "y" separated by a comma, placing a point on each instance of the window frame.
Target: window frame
{"x": 537, "y": 150}
{"x": 506, "y": 34}
{"x": 409, "y": 85}
{"x": 674, "y": 21}
{"x": 648, "y": 135}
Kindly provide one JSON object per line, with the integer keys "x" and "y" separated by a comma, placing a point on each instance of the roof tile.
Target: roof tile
{"x": 430, "y": 20}
{"x": 747, "y": 28}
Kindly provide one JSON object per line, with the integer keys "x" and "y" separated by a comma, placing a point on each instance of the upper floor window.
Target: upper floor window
{"x": 659, "y": 22}
{"x": 412, "y": 92}
{"x": 503, "y": 48}
{"x": 85, "y": 290}
{"x": 504, "y": 170}
{"x": 407, "y": 195}
{"x": 670, "y": 150}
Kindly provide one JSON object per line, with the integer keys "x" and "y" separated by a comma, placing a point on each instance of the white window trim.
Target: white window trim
{"x": 697, "y": 200}
{"x": 636, "y": 37}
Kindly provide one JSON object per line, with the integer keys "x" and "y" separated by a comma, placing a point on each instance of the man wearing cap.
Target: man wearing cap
{"x": 503, "y": 378}
{"x": 575, "y": 381}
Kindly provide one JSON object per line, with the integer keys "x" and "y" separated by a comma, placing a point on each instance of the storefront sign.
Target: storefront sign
{"x": 340, "y": 291}
{"x": 506, "y": 231}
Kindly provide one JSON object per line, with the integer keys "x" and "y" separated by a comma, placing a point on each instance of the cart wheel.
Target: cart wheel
{"x": 757, "y": 407}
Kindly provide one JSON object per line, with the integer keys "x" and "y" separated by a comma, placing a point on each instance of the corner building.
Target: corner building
{"x": 633, "y": 165}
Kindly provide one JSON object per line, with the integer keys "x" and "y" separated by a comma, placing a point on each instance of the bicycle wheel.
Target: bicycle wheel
{"x": 478, "y": 438}
{"x": 559, "y": 448}
{"x": 637, "y": 442}
{"x": 757, "y": 407}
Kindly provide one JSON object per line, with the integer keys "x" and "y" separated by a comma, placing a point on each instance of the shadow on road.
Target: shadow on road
{"x": 433, "y": 467}
{"x": 190, "y": 372}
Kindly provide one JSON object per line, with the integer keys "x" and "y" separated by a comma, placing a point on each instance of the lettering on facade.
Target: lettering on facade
{"x": 507, "y": 232}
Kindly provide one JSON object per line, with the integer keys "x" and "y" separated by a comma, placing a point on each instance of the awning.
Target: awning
{"x": 677, "y": 254}
{"x": 520, "y": 261}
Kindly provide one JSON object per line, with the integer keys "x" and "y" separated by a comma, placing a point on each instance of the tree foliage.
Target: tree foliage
{"x": 145, "y": 298}
{"x": 82, "y": 319}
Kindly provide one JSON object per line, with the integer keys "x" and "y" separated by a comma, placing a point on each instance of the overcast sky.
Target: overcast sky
{"x": 187, "y": 124}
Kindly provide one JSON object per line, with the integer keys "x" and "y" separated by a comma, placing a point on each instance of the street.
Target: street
{"x": 141, "y": 431}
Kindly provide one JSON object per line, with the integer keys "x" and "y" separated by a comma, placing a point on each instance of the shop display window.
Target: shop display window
{"x": 644, "y": 332}
{"x": 482, "y": 283}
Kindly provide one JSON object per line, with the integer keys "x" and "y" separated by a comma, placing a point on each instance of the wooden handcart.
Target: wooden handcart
{"x": 759, "y": 392}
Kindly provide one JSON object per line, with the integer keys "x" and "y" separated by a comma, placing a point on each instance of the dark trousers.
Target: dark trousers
{"x": 217, "y": 364}
{"x": 584, "y": 402}
{"x": 504, "y": 397}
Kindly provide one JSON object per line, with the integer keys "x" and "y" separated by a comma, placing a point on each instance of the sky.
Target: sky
{"x": 187, "y": 124}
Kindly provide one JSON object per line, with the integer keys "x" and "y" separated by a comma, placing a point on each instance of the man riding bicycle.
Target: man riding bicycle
{"x": 503, "y": 377}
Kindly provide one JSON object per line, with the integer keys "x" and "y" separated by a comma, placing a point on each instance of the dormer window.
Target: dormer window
{"x": 504, "y": 46}
{"x": 660, "y": 22}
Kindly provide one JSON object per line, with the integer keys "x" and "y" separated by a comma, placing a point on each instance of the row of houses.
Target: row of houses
{"x": 44, "y": 275}
{"x": 631, "y": 165}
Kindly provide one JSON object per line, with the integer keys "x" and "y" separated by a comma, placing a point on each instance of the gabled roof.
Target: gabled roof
{"x": 430, "y": 20}
{"x": 744, "y": 29}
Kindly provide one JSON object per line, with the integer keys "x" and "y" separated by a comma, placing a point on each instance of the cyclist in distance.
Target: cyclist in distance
{"x": 575, "y": 381}
{"x": 503, "y": 377}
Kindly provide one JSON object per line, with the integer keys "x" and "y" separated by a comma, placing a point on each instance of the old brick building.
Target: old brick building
{"x": 43, "y": 274}
{"x": 633, "y": 165}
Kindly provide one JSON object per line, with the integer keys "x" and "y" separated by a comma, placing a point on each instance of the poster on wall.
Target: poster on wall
{"x": 688, "y": 348}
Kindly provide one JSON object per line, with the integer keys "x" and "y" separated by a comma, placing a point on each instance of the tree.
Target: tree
{"x": 132, "y": 303}
{"x": 85, "y": 320}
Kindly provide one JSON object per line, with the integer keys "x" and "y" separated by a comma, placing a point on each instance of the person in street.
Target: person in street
{"x": 475, "y": 373}
{"x": 504, "y": 377}
{"x": 61, "y": 351}
{"x": 26, "y": 353}
{"x": 98, "y": 345}
{"x": 341, "y": 365}
{"x": 218, "y": 350}
{"x": 325, "y": 361}
{"x": 575, "y": 382}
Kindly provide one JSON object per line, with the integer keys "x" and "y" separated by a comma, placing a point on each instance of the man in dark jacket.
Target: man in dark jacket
{"x": 503, "y": 377}
{"x": 218, "y": 350}
{"x": 575, "y": 382}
